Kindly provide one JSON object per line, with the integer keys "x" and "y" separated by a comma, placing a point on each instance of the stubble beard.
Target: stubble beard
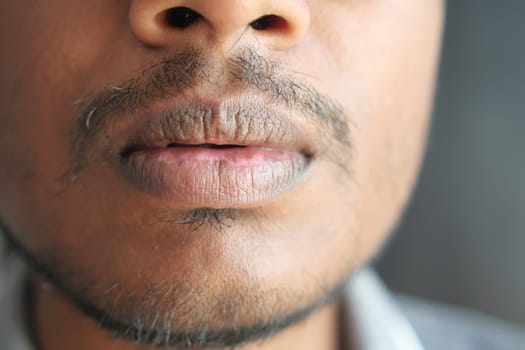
{"x": 170, "y": 317}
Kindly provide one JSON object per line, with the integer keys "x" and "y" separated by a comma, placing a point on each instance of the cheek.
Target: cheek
{"x": 50, "y": 65}
{"x": 380, "y": 59}
{"x": 51, "y": 60}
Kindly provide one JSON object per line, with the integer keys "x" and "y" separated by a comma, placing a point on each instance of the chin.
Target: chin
{"x": 215, "y": 282}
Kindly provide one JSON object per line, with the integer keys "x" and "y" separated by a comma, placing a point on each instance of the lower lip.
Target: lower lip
{"x": 216, "y": 178}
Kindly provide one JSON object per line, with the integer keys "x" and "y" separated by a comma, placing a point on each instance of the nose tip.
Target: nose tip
{"x": 277, "y": 24}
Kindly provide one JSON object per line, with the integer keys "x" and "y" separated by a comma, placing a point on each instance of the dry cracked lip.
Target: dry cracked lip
{"x": 227, "y": 155}
{"x": 217, "y": 176}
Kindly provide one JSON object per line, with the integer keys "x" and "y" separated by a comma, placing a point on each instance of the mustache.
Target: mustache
{"x": 190, "y": 68}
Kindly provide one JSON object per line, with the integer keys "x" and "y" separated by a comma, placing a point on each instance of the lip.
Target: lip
{"x": 234, "y": 153}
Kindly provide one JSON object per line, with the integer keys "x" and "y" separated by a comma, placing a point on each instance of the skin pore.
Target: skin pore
{"x": 319, "y": 110}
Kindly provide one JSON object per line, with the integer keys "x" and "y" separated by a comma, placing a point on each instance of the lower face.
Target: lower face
{"x": 186, "y": 250}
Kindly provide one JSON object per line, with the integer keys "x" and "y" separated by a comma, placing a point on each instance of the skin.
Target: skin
{"x": 99, "y": 234}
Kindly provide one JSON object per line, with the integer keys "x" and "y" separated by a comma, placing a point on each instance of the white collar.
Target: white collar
{"x": 374, "y": 317}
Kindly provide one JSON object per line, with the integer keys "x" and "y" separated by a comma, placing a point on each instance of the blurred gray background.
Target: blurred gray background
{"x": 462, "y": 239}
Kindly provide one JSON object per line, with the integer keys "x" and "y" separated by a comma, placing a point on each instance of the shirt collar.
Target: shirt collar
{"x": 373, "y": 316}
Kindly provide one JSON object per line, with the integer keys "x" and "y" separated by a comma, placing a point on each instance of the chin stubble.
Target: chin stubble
{"x": 214, "y": 219}
{"x": 155, "y": 318}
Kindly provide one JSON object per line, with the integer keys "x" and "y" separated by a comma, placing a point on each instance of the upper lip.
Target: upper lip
{"x": 244, "y": 121}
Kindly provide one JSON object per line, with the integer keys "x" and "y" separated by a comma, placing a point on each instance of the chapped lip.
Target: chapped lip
{"x": 229, "y": 123}
{"x": 234, "y": 153}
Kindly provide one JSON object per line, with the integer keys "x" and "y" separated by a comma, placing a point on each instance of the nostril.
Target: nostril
{"x": 268, "y": 22}
{"x": 181, "y": 17}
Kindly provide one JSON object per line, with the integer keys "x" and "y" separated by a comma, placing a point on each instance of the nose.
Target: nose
{"x": 277, "y": 24}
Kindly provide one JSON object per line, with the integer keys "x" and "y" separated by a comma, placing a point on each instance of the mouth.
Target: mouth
{"x": 229, "y": 154}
